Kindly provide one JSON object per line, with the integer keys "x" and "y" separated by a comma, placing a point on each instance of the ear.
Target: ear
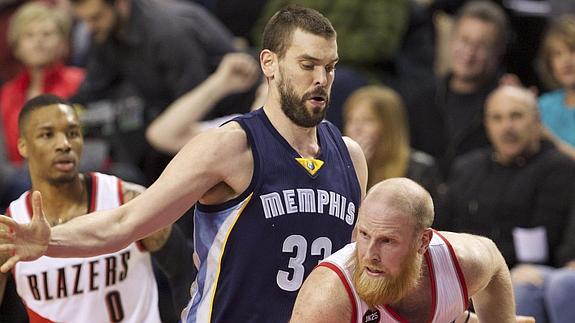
{"x": 425, "y": 240}
{"x": 268, "y": 62}
{"x": 23, "y": 147}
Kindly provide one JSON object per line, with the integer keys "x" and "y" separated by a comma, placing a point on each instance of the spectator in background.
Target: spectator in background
{"x": 546, "y": 292}
{"x": 557, "y": 69}
{"x": 38, "y": 36}
{"x": 239, "y": 16}
{"x": 375, "y": 117}
{"x": 162, "y": 49}
{"x": 172, "y": 129}
{"x": 518, "y": 193}
{"x": 446, "y": 118}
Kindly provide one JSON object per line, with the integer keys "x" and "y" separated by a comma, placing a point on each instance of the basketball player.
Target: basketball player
{"x": 401, "y": 270}
{"x": 114, "y": 287}
{"x": 278, "y": 190}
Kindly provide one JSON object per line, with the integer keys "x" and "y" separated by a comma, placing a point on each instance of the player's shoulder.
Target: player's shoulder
{"x": 477, "y": 256}
{"x": 231, "y": 134}
{"x": 223, "y": 142}
{"x": 468, "y": 247}
{"x": 351, "y": 145}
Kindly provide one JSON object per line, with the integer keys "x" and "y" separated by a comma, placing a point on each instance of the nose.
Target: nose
{"x": 63, "y": 144}
{"x": 320, "y": 76}
{"x": 371, "y": 254}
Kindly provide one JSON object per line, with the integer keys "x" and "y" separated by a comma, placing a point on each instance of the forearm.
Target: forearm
{"x": 90, "y": 235}
{"x": 176, "y": 125}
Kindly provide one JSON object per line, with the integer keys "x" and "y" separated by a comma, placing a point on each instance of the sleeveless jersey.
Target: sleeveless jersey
{"x": 448, "y": 289}
{"x": 255, "y": 251}
{"x": 115, "y": 287}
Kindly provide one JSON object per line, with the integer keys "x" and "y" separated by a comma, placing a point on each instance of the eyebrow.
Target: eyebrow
{"x": 315, "y": 59}
{"x": 50, "y": 127}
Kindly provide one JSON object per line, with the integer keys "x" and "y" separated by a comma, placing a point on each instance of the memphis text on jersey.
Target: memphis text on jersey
{"x": 305, "y": 200}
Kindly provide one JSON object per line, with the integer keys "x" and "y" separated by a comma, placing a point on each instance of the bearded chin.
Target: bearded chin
{"x": 294, "y": 108}
{"x": 376, "y": 291}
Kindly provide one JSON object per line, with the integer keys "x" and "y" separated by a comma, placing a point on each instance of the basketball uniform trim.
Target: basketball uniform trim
{"x": 335, "y": 133}
{"x": 93, "y": 205}
{"x": 121, "y": 192}
{"x": 433, "y": 282}
{"x": 321, "y": 156}
{"x": 461, "y": 280}
{"x": 345, "y": 282}
{"x": 253, "y": 183}
{"x": 35, "y": 317}
{"x": 246, "y": 202}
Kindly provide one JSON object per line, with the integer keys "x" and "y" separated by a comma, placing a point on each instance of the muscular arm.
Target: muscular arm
{"x": 322, "y": 298}
{"x": 216, "y": 156}
{"x": 487, "y": 277}
{"x": 156, "y": 240}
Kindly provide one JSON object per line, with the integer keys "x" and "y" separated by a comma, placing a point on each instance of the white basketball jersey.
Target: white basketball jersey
{"x": 449, "y": 291}
{"x": 116, "y": 287}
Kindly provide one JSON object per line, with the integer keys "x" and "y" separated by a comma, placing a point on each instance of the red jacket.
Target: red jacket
{"x": 59, "y": 80}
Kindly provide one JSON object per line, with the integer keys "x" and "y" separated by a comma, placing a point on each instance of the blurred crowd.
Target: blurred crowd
{"x": 474, "y": 100}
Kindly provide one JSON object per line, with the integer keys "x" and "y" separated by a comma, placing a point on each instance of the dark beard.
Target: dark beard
{"x": 294, "y": 107}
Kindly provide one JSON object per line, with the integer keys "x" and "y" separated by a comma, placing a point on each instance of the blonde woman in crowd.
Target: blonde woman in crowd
{"x": 375, "y": 117}
{"x": 38, "y": 36}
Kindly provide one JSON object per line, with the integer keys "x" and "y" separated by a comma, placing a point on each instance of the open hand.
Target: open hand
{"x": 25, "y": 242}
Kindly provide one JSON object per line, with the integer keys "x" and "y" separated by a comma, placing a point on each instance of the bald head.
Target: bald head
{"x": 512, "y": 123}
{"x": 402, "y": 195}
{"x": 519, "y": 95}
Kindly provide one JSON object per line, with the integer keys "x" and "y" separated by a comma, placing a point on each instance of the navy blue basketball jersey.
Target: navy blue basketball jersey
{"x": 255, "y": 251}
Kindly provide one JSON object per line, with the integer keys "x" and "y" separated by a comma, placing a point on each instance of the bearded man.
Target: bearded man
{"x": 401, "y": 270}
{"x": 276, "y": 190}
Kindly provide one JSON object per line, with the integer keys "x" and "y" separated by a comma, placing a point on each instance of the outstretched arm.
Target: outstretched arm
{"x": 217, "y": 156}
{"x": 487, "y": 277}
{"x": 156, "y": 240}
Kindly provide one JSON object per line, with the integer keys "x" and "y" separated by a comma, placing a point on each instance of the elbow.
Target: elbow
{"x": 153, "y": 136}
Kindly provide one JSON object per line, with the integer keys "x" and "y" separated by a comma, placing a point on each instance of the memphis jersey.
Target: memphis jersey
{"x": 255, "y": 251}
{"x": 116, "y": 287}
{"x": 448, "y": 288}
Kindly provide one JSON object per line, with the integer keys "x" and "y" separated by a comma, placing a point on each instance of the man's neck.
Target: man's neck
{"x": 301, "y": 139}
{"x": 464, "y": 86}
{"x": 63, "y": 201}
